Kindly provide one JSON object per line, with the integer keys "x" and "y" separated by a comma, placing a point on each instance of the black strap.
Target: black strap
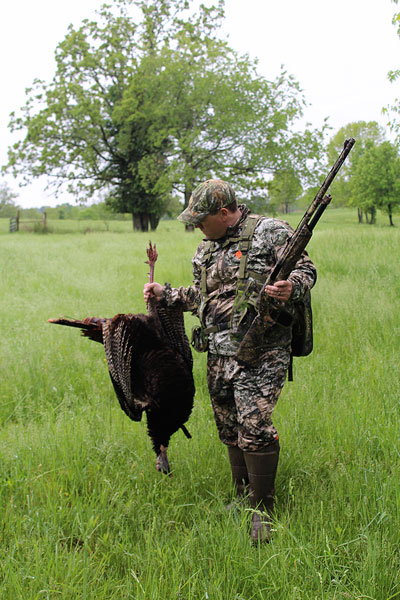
{"x": 290, "y": 368}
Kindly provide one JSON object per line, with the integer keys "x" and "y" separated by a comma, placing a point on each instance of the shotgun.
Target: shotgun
{"x": 268, "y": 311}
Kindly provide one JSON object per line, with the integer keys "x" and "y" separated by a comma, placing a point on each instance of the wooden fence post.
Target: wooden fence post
{"x": 14, "y": 223}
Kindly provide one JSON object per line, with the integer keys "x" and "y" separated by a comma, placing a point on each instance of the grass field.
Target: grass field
{"x": 85, "y": 514}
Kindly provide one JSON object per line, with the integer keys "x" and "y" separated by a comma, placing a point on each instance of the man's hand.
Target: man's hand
{"x": 152, "y": 290}
{"x": 281, "y": 290}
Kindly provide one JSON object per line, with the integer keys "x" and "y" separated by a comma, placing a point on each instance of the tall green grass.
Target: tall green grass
{"x": 84, "y": 512}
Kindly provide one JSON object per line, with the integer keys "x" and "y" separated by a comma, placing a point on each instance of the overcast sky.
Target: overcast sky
{"x": 340, "y": 52}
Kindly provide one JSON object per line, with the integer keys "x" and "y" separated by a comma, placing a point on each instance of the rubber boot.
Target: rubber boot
{"x": 261, "y": 468}
{"x": 240, "y": 477}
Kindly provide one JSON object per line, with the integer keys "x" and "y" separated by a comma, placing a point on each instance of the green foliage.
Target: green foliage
{"x": 173, "y": 208}
{"x": 62, "y": 211}
{"x": 8, "y": 207}
{"x": 97, "y": 212}
{"x": 31, "y": 213}
{"x": 84, "y": 512}
{"x": 259, "y": 204}
{"x": 393, "y": 111}
{"x": 284, "y": 189}
{"x": 368, "y": 135}
{"x": 71, "y": 129}
{"x": 364, "y": 132}
{"x": 142, "y": 106}
{"x": 375, "y": 181}
{"x": 226, "y": 120}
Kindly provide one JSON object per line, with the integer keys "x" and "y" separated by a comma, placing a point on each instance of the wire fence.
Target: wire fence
{"x": 16, "y": 223}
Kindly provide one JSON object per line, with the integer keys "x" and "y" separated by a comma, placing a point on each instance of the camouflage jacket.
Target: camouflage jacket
{"x": 222, "y": 270}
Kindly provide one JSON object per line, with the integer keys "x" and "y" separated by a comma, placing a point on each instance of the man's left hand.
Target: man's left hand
{"x": 281, "y": 290}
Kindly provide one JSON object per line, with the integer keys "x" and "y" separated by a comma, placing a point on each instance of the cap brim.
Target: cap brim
{"x": 191, "y": 218}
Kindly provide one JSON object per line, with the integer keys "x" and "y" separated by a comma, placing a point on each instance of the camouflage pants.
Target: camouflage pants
{"x": 243, "y": 398}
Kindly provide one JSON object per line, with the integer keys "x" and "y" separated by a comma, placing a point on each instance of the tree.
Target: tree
{"x": 61, "y": 211}
{"x": 173, "y": 208}
{"x": 141, "y": 108}
{"x": 284, "y": 189}
{"x": 364, "y": 132}
{"x": 8, "y": 207}
{"x": 224, "y": 118}
{"x": 375, "y": 181}
{"x": 31, "y": 214}
{"x": 72, "y": 135}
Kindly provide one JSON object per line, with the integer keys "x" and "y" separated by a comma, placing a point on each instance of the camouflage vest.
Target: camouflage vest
{"x": 245, "y": 304}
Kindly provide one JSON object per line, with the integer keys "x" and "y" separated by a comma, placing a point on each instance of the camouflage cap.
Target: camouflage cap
{"x": 207, "y": 199}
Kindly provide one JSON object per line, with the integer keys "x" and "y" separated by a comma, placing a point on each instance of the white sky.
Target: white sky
{"x": 339, "y": 50}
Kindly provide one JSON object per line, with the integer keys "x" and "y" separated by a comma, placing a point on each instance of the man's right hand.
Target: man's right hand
{"x": 152, "y": 290}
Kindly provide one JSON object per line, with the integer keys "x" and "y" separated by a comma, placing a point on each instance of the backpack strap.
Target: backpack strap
{"x": 244, "y": 245}
{"x": 209, "y": 248}
{"x": 290, "y": 368}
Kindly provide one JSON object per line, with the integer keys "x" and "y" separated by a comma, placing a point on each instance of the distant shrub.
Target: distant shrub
{"x": 41, "y": 228}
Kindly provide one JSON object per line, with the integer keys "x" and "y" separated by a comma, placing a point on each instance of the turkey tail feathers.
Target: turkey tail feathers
{"x": 64, "y": 321}
{"x": 91, "y": 327}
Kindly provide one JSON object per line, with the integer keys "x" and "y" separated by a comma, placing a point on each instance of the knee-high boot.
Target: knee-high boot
{"x": 261, "y": 468}
{"x": 239, "y": 470}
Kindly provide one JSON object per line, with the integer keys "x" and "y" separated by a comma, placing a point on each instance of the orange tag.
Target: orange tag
{"x": 238, "y": 254}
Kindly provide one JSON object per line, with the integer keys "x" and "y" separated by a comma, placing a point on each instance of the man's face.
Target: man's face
{"x": 214, "y": 227}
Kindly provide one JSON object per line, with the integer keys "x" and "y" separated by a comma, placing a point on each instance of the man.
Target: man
{"x": 228, "y": 276}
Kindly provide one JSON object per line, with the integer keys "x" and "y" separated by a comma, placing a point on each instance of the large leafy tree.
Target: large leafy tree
{"x": 365, "y": 133}
{"x": 139, "y": 107}
{"x": 375, "y": 182}
{"x": 71, "y": 135}
{"x": 223, "y": 118}
{"x": 148, "y": 112}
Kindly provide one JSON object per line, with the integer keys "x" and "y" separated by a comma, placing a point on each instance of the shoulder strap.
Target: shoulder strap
{"x": 208, "y": 250}
{"x": 244, "y": 245}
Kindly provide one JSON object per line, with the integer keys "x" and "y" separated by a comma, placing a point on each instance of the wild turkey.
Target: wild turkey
{"x": 150, "y": 365}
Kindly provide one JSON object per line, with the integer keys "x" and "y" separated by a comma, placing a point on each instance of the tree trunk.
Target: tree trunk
{"x": 135, "y": 222}
{"x": 144, "y": 219}
{"x": 154, "y": 221}
{"x": 373, "y": 215}
{"x": 390, "y": 215}
{"x": 140, "y": 221}
{"x": 360, "y": 215}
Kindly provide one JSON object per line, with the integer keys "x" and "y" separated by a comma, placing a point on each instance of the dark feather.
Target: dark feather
{"x": 91, "y": 327}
